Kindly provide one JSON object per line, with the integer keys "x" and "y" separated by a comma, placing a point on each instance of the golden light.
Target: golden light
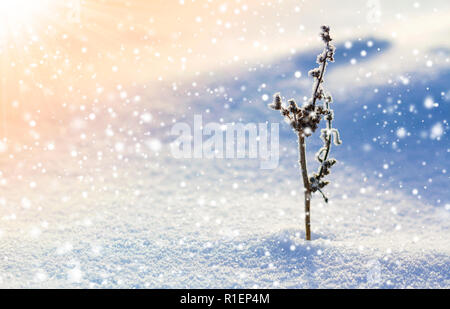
{"x": 18, "y": 16}
{"x": 21, "y": 11}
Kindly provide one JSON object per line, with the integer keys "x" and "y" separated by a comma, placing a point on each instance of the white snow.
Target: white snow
{"x": 247, "y": 231}
{"x": 436, "y": 131}
{"x": 401, "y": 132}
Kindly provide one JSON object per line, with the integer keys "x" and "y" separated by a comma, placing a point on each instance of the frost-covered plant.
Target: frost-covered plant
{"x": 305, "y": 120}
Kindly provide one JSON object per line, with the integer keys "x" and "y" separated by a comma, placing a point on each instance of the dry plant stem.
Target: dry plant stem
{"x": 319, "y": 80}
{"x": 305, "y": 120}
{"x": 302, "y": 154}
{"x": 328, "y": 144}
{"x": 302, "y": 161}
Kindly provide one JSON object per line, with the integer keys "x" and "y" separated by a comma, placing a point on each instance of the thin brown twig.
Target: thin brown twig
{"x": 305, "y": 121}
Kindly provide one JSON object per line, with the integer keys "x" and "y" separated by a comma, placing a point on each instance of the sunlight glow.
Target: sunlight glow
{"x": 21, "y": 10}
{"x": 17, "y": 15}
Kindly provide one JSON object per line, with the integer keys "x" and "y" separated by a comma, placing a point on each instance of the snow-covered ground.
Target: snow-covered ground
{"x": 166, "y": 223}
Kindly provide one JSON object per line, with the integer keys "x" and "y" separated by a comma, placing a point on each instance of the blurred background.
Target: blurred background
{"x": 63, "y": 61}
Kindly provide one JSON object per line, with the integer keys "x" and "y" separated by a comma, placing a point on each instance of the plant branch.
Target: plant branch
{"x": 307, "y": 188}
{"x": 327, "y": 144}
{"x": 305, "y": 120}
{"x": 322, "y": 72}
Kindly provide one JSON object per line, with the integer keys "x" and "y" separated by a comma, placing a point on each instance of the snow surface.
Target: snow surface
{"x": 211, "y": 234}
